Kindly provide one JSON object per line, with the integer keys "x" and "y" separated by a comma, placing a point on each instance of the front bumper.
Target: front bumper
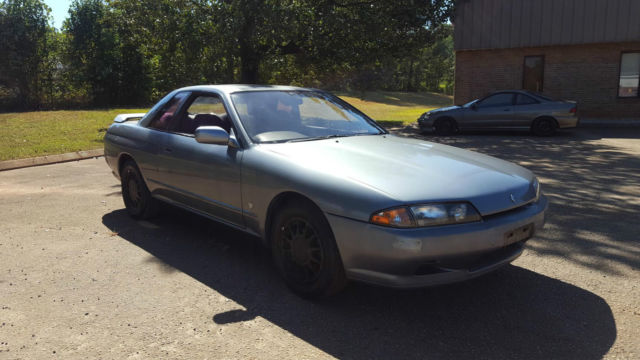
{"x": 431, "y": 256}
{"x": 425, "y": 123}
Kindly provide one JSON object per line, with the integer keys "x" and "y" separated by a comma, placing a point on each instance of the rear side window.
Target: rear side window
{"x": 163, "y": 118}
{"x": 525, "y": 100}
{"x": 541, "y": 96}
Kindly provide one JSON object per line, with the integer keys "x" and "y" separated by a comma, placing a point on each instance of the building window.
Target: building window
{"x": 533, "y": 73}
{"x": 629, "y": 74}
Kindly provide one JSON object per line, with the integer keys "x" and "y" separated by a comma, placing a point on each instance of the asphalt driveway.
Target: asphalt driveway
{"x": 80, "y": 279}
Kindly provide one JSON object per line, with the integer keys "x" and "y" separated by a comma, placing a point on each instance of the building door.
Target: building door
{"x": 533, "y": 73}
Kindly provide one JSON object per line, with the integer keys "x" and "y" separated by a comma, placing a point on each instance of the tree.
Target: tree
{"x": 103, "y": 57}
{"x": 181, "y": 40}
{"x": 324, "y": 33}
{"x": 24, "y": 25}
{"x": 117, "y": 52}
{"x": 426, "y": 68}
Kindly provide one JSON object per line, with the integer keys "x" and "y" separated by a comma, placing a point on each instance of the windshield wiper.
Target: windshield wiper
{"x": 317, "y": 138}
{"x": 368, "y": 134}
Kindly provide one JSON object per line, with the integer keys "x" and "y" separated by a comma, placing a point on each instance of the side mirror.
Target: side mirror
{"x": 474, "y": 107}
{"x": 212, "y": 135}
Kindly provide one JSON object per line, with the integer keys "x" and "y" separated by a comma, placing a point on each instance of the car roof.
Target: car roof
{"x": 232, "y": 88}
{"x": 523, "y": 92}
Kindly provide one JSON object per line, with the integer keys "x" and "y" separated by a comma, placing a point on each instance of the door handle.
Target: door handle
{"x": 506, "y": 110}
{"x": 168, "y": 150}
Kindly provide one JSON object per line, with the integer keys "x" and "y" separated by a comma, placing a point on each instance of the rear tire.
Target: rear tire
{"x": 544, "y": 127}
{"x": 446, "y": 126}
{"x": 305, "y": 252}
{"x": 136, "y": 195}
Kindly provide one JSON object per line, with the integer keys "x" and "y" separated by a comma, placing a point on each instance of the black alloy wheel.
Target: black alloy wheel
{"x": 301, "y": 250}
{"x": 544, "y": 127}
{"x": 135, "y": 194}
{"x": 444, "y": 126}
{"x": 305, "y": 252}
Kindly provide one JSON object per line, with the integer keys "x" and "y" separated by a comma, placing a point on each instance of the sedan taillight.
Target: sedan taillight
{"x": 573, "y": 110}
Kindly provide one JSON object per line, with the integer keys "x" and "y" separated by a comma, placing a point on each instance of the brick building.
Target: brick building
{"x": 583, "y": 50}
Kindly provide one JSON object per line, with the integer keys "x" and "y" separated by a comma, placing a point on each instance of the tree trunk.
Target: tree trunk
{"x": 411, "y": 80}
{"x": 249, "y": 64}
{"x": 249, "y": 57}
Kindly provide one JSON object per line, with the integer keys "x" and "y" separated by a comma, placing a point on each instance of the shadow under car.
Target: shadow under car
{"x": 513, "y": 313}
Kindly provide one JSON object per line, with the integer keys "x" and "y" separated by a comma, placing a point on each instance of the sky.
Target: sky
{"x": 59, "y": 10}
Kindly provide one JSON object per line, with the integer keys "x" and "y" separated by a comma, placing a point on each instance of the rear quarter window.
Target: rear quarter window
{"x": 164, "y": 117}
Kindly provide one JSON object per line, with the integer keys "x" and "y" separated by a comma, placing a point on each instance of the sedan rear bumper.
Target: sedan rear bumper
{"x": 567, "y": 121}
{"x": 431, "y": 256}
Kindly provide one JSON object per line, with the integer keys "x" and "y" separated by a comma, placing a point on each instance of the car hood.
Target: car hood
{"x": 410, "y": 171}
{"x": 448, "y": 108}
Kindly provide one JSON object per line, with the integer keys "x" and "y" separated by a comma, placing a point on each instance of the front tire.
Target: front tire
{"x": 305, "y": 252}
{"x": 136, "y": 195}
{"x": 445, "y": 126}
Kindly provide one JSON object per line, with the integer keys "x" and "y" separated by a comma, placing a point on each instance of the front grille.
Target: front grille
{"x": 471, "y": 262}
{"x": 497, "y": 255}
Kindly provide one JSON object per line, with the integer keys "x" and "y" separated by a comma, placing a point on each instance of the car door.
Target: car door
{"x": 204, "y": 177}
{"x": 493, "y": 111}
{"x": 152, "y": 160}
{"x": 525, "y": 110}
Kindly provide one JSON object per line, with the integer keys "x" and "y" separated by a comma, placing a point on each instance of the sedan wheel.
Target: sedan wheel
{"x": 136, "y": 195}
{"x": 305, "y": 252}
{"x": 301, "y": 250}
{"x": 444, "y": 127}
{"x": 544, "y": 127}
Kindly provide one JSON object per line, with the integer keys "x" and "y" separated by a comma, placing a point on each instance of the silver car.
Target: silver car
{"x": 516, "y": 109}
{"x": 329, "y": 191}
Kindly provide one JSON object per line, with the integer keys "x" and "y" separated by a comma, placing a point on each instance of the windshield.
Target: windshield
{"x": 282, "y": 116}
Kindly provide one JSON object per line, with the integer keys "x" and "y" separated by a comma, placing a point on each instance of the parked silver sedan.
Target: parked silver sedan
{"x": 329, "y": 191}
{"x": 515, "y": 109}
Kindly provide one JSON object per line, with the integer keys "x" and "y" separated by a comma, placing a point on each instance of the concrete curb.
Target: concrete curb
{"x": 50, "y": 159}
{"x": 609, "y": 123}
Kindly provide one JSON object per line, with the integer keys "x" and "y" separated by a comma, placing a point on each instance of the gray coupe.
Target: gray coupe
{"x": 515, "y": 109}
{"x": 329, "y": 191}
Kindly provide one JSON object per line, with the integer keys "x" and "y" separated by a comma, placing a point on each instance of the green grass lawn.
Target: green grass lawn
{"x": 395, "y": 108}
{"x": 40, "y": 133}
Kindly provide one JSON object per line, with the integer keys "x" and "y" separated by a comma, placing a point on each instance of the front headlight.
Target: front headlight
{"x": 536, "y": 186}
{"x": 427, "y": 215}
{"x": 442, "y": 214}
{"x": 424, "y": 116}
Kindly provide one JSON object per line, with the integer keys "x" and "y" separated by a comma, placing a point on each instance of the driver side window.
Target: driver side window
{"x": 525, "y": 100}
{"x": 503, "y": 99}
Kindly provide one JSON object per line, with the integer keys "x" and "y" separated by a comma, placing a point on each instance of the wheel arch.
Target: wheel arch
{"x": 447, "y": 117}
{"x": 123, "y": 158}
{"x": 278, "y": 202}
